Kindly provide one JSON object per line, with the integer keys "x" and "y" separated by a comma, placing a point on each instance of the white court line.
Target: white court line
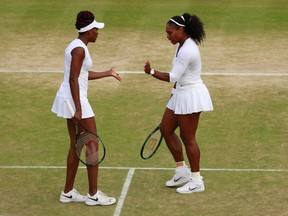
{"x": 149, "y": 168}
{"x": 131, "y": 172}
{"x": 124, "y": 192}
{"x": 141, "y": 72}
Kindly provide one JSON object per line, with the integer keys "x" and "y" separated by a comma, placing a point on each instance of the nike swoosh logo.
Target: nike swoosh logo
{"x": 176, "y": 180}
{"x": 96, "y": 200}
{"x": 69, "y": 197}
{"x": 191, "y": 189}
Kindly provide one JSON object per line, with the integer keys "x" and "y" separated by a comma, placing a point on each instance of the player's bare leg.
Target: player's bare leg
{"x": 168, "y": 127}
{"x": 188, "y": 125}
{"x": 90, "y": 124}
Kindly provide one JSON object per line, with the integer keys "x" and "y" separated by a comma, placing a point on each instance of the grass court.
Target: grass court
{"x": 244, "y": 141}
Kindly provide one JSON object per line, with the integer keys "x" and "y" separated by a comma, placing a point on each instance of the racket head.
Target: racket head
{"x": 151, "y": 144}
{"x": 89, "y": 148}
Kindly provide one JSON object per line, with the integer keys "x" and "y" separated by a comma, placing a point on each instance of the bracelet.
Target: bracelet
{"x": 152, "y": 72}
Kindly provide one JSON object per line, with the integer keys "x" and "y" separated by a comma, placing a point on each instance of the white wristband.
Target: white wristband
{"x": 152, "y": 72}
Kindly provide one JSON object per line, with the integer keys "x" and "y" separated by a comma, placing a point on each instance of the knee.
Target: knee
{"x": 188, "y": 139}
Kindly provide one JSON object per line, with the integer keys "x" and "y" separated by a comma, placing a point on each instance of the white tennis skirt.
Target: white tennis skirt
{"x": 61, "y": 110}
{"x": 189, "y": 99}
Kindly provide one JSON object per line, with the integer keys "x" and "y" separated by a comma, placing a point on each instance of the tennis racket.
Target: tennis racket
{"x": 89, "y": 147}
{"x": 151, "y": 143}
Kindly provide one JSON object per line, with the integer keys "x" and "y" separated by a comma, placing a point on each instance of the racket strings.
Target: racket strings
{"x": 151, "y": 144}
{"x": 87, "y": 148}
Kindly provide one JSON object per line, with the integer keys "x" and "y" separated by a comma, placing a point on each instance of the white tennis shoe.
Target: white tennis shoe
{"x": 71, "y": 196}
{"x": 192, "y": 186}
{"x": 99, "y": 198}
{"x": 182, "y": 175}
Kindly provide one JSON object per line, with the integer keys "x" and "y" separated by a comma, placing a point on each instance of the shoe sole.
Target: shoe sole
{"x": 100, "y": 204}
{"x": 69, "y": 200}
{"x": 191, "y": 191}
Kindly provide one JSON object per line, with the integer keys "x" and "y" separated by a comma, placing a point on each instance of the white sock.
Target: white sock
{"x": 181, "y": 167}
{"x": 180, "y": 164}
{"x": 195, "y": 175}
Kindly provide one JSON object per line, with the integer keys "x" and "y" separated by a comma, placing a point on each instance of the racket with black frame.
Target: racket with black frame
{"x": 89, "y": 147}
{"x": 151, "y": 143}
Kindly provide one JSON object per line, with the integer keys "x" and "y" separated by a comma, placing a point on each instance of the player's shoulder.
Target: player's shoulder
{"x": 76, "y": 44}
{"x": 189, "y": 48}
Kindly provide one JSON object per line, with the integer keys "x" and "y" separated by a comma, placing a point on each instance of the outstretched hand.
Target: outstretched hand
{"x": 147, "y": 67}
{"x": 114, "y": 74}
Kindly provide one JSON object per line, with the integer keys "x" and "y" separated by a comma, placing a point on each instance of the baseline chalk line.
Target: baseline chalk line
{"x": 152, "y": 168}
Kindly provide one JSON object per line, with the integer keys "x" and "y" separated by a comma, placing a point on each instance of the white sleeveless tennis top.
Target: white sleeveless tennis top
{"x": 64, "y": 92}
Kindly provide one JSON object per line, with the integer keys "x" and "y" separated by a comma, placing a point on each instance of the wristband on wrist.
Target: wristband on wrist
{"x": 152, "y": 72}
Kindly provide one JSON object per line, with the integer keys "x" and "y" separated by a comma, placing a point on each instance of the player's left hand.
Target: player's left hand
{"x": 114, "y": 74}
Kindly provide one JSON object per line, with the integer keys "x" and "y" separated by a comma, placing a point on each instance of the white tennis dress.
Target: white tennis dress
{"x": 59, "y": 106}
{"x": 191, "y": 94}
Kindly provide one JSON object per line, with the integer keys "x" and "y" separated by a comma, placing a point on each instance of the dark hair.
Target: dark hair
{"x": 192, "y": 24}
{"x": 83, "y": 19}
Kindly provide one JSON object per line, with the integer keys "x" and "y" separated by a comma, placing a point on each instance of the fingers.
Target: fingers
{"x": 118, "y": 77}
{"x": 147, "y": 64}
{"x": 147, "y": 67}
{"x": 115, "y": 74}
{"x": 75, "y": 121}
{"x": 77, "y": 117}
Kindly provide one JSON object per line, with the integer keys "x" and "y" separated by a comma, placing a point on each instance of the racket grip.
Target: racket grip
{"x": 70, "y": 107}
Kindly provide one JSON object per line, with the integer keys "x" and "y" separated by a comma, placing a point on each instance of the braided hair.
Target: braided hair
{"x": 192, "y": 24}
{"x": 83, "y": 19}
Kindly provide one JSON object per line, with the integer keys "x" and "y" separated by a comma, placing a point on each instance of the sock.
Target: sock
{"x": 195, "y": 175}
{"x": 180, "y": 163}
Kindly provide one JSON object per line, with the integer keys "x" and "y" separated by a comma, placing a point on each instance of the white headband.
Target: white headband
{"x": 177, "y": 23}
{"x": 92, "y": 25}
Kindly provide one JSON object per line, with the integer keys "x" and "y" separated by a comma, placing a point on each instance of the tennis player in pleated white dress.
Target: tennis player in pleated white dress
{"x": 190, "y": 97}
{"x": 190, "y": 94}
{"x": 77, "y": 72}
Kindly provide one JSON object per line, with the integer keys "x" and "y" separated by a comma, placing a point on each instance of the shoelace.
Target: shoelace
{"x": 109, "y": 199}
{"x": 102, "y": 194}
{"x": 76, "y": 192}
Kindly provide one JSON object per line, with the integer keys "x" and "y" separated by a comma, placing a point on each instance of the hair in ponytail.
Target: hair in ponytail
{"x": 192, "y": 24}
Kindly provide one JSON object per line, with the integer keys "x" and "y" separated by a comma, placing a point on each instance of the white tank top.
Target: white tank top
{"x": 64, "y": 90}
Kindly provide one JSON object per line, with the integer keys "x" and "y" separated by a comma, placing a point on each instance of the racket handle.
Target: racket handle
{"x": 70, "y": 107}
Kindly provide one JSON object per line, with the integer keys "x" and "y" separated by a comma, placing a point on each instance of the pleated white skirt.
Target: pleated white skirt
{"x": 61, "y": 110}
{"x": 189, "y": 99}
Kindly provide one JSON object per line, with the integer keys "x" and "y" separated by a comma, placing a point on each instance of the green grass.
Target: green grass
{"x": 35, "y": 33}
{"x": 59, "y": 16}
{"x": 247, "y": 129}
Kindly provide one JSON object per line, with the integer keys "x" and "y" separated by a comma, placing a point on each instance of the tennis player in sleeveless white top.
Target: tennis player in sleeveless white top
{"x": 189, "y": 98}
{"x": 77, "y": 72}
{"x": 59, "y": 107}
